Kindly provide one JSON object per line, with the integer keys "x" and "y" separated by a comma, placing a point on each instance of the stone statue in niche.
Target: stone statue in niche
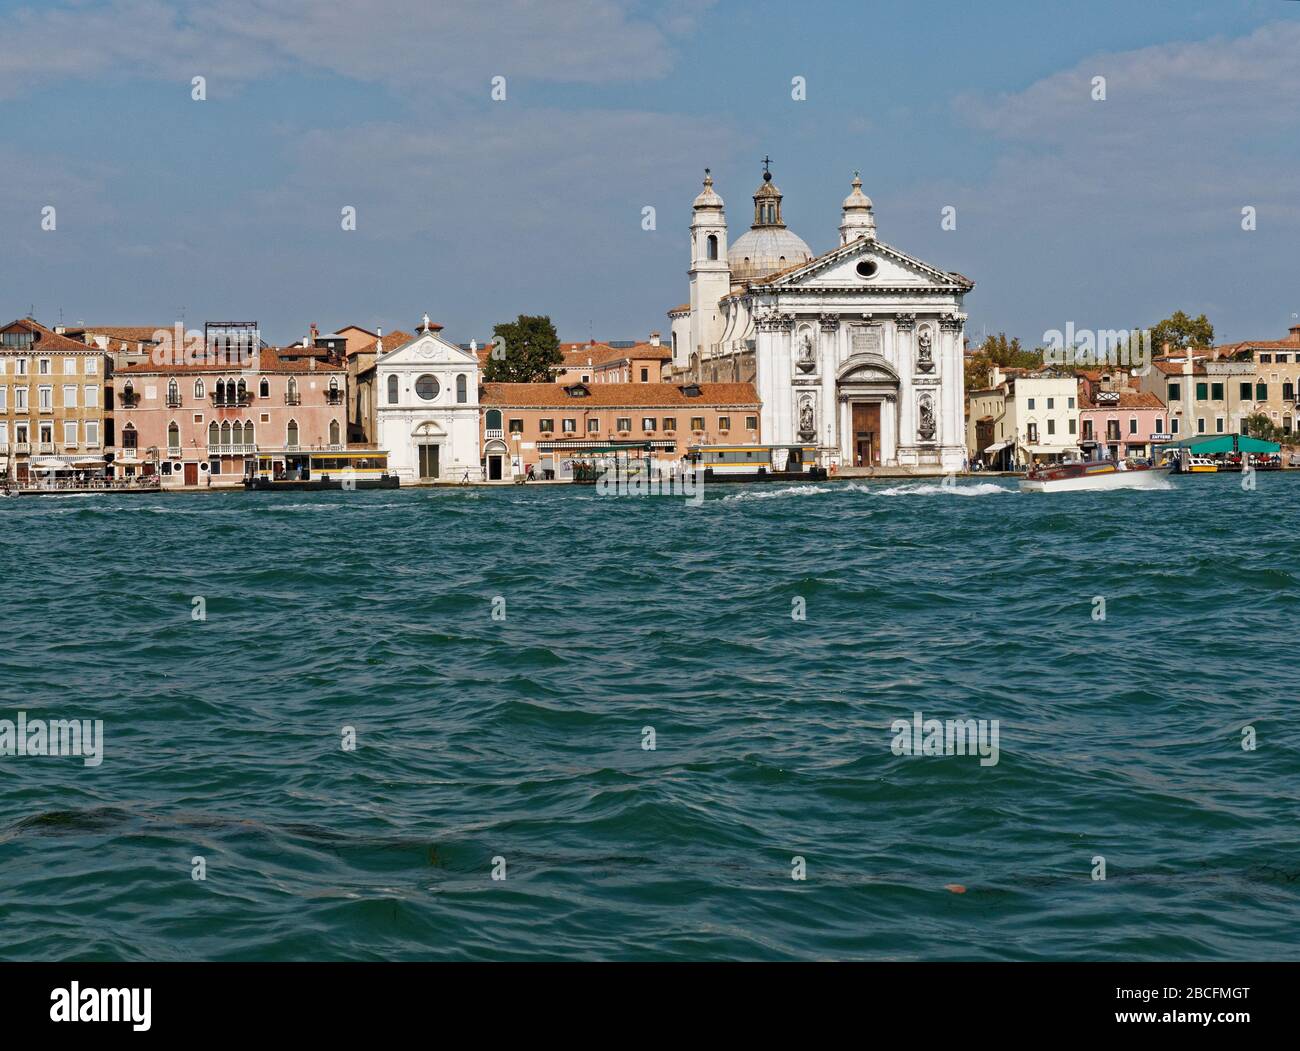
{"x": 924, "y": 352}
{"x": 806, "y": 362}
{"x": 807, "y": 422}
{"x": 925, "y": 424}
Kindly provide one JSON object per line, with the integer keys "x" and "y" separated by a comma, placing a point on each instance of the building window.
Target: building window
{"x": 645, "y": 375}
{"x": 546, "y": 424}
{"x": 20, "y": 399}
{"x": 1266, "y": 359}
{"x": 1051, "y": 403}
{"x": 69, "y": 366}
{"x": 1173, "y": 424}
{"x": 1200, "y": 425}
{"x": 1031, "y": 403}
{"x": 92, "y": 367}
{"x": 1112, "y": 430}
{"x": 70, "y": 396}
{"x": 1216, "y": 392}
{"x": 70, "y": 431}
{"x": 1202, "y": 391}
{"x": 1051, "y": 426}
{"x": 392, "y": 390}
{"x": 291, "y": 434}
{"x": 43, "y": 367}
{"x": 264, "y": 389}
{"x": 462, "y": 389}
{"x": 426, "y": 387}
{"x": 1261, "y": 392}
{"x": 46, "y": 398}
{"x": 20, "y": 366}
{"x": 1132, "y": 425}
{"x": 1072, "y": 425}
{"x": 492, "y": 419}
{"x": 751, "y": 423}
{"x": 173, "y": 436}
{"x": 1245, "y": 391}
{"x": 569, "y": 426}
{"x": 697, "y": 423}
{"x": 624, "y": 423}
{"x": 198, "y": 388}
{"x": 1069, "y": 404}
{"x": 670, "y": 423}
{"x": 1175, "y": 392}
{"x": 1087, "y": 430}
{"x": 1288, "y": 391}
{"x": 516, "y": 426}
{"x": 1033, "y": 432}
{"x": 711, "y": 250}
{"x": 724, "y": 423}
{"x": 1218, "y": 424}
{"x": 334, "y": 432}
{"x": 128, "y": 437}
{"x": 593, "y": 426}
{"x": 648, "y": 423}
{"x": 214, "y": 435}
{"x": 92, "y": 432}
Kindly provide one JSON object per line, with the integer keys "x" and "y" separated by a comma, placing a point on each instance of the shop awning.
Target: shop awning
{"x": 1208, "y": 444}
{"x": 998, "y": 447}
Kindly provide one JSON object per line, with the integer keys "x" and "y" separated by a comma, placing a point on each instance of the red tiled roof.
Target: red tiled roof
{"x": 577, "y": 355}
{"x": 617, "y": 395}
{"x": 268, "y": 360}
{"x": 1128, "y": 399}
{"x": 47, "y": 339}
{"x": 681, "y": 308}
{"x": 128, "y": 333}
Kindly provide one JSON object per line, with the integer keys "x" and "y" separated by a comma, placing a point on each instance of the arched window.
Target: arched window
{"x": 173, "y": 436}
{"x": 128, "y": 437}
{"x": 462, "y": 389}
{"x": 248, "y": 433}
{"x": 220, "y": 391}
{"x": 334, "y": 384}
{"x": 712, "y": 250}
{"x": 241, "y": 390}
{"x": 128, "y": 395}
{"x": 493, "y": 419}
{"x": 198, "y": 388}
{"x": 334, "y": 432}
{"x": 264, "y": 388}
{"x": 392, "y": 390}
{"x": 225, "y": 433}
{"x": 292, "y": 396}
{"x": 292, "y": 434}
{"x": 237, "y": 433}
{"x": 173, "y": 391}
{"x": 214, "y": 434}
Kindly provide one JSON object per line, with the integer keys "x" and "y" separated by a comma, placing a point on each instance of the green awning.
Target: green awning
{"x": 1209, "y": 444}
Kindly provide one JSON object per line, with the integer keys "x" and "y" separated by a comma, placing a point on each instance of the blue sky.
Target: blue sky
{"x": 1105, "y": 214}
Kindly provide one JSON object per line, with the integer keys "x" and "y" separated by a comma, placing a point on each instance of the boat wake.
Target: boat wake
{"x": 934, "y": 488}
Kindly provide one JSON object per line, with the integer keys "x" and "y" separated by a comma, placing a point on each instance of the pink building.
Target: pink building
{"x": 197, "y": 424}
{"x": 1117, "y": 421}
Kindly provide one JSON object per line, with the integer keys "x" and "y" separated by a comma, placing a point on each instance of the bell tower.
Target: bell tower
{"x": 710, "y": 273}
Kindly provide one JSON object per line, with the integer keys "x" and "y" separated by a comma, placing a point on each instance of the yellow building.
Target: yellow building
{"x": 52, "y": 404}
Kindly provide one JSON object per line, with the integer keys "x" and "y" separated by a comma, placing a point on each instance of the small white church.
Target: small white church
{"x": 858, "y": 350}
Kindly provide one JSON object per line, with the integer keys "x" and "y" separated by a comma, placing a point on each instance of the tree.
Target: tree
{"x": 526, "y": 350}
{"x": 1000, "y": 351}
{"x": 1181, "y": 332}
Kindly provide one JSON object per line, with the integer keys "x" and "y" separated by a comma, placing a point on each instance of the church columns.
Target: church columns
{"x": 774, "y": 370}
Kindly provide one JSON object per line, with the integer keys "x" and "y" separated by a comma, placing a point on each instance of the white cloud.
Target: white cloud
{"x": 406, "y": 44}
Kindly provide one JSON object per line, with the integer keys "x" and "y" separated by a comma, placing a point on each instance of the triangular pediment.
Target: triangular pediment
{"x": 427, "y": 348}
{"x": 866, "y": 264}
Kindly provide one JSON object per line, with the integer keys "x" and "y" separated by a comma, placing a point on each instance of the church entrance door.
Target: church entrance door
{"x": 866, "y": 434}
{"x": 428, "y": 462}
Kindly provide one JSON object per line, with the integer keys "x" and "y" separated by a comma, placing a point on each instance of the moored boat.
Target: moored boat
{"x": 1090, "y": 474}
{"x": 294, "y": 469}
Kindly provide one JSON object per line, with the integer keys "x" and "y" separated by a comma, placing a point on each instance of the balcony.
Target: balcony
{"x": 4, "y": 447}
{"x": 293, "y": 398}
{"x": 174, "y": 453}
{"x": 232, "y": 401}
{"x": 22, "y": 447}
{"x": 229, "y": 449}
{"x": 174, "y": 401}
{"x": 130, "y": 400}
{"x": 45, "y": 447}
{"x": 494, "y": 433}
{"x": 333, "y": 397}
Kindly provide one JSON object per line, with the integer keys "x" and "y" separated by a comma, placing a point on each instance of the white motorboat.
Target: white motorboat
{"x": 1095, "y": 474}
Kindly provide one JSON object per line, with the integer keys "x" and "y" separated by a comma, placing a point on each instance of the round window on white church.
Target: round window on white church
{"x": 427, "y": 387}
{"x": 867, "y": 268}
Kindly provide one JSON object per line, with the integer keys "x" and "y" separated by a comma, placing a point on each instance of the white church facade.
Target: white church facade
{"x": 859, "y": 351}
{"x": 427, "y": 410}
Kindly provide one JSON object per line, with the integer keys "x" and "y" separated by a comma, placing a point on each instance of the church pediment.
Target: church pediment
{"x": 428, "y": 429}
{"x": 866, "y": 264}
{"x": 428, "y": 348}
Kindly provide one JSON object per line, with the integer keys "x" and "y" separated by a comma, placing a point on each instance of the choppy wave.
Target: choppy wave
{"x": 765, "y": 646}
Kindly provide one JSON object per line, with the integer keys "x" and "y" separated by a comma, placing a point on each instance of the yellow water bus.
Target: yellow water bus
{"x": 312, "y": 469}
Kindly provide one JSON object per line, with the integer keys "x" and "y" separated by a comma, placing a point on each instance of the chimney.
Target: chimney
{"x": 1295, "y": 333}
{"x": 654, "y": 339}
{"x": 314, "y": 332}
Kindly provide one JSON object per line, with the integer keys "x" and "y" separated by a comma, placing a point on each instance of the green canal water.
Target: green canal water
{"x": 506, "y": 658}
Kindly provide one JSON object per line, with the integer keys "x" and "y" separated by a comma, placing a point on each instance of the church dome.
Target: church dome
{"x": 758, "y": 253}
{"x": 767, "y": 246}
